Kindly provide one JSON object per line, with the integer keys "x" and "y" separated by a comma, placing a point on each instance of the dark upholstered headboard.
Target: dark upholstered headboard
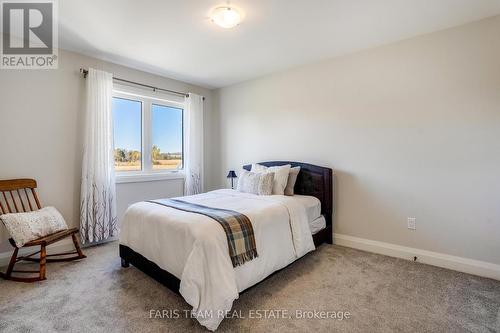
{"x": 313, "y": 180}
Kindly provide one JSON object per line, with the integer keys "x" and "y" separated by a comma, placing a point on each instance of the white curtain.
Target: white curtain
{"x": 97, "y": 202}
{"x": 193, "y": 144}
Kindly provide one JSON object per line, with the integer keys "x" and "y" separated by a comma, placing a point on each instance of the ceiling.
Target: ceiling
{"x": 175, "y": 38}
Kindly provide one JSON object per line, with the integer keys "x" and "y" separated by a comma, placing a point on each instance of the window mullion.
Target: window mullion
{"x": 148, "y": 167}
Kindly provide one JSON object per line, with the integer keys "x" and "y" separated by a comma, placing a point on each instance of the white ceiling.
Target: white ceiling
{"x": 175, "y": 38}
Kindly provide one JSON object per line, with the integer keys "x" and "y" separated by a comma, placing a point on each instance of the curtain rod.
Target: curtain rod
{"x": 85, "y": 73}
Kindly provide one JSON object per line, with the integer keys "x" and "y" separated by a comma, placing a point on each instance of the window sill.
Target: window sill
{"x": 149, "y": 177}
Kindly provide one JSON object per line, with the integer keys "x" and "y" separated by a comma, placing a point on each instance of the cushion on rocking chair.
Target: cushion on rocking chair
{"x": 25, "y": 227}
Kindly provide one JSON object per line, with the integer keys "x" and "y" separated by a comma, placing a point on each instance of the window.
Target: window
{"x": 148, "y": 136}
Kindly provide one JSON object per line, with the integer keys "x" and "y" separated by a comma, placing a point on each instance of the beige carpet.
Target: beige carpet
{"x": 382, "y": 294}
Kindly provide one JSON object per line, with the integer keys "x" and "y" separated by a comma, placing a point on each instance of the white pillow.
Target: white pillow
{"x": 292, "y": 179}
{"x": 25, "y": 227}
{"x": 280, "y": 176}
{"x": 255, "y": 183}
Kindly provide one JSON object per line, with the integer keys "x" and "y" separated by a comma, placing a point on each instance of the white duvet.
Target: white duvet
{"x": 194, "y": 247}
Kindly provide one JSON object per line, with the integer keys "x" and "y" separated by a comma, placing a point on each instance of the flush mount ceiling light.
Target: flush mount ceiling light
{"x": 226, "y": 17}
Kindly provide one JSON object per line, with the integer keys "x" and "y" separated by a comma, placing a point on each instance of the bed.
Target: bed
{"x": 187, "y": 252}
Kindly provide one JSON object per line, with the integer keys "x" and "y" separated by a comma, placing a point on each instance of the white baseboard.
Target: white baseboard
{"x": 61, "y": 246}
{"x": 471, "y": 266}
{"x": 460, "y": 264}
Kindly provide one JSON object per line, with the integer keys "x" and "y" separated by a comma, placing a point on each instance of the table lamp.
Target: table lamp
{"x": 232, "y": 175}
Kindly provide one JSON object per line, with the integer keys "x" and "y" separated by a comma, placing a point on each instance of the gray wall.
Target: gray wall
{"x": 412, "y": 129}
{"x": 41, "y": 131}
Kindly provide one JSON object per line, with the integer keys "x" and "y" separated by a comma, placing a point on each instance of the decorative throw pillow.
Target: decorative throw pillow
{"x": 280, "y": 176}
{"x": 25, "y": 227}
{"x": 248, "y": 182}
{"x": 266, "y": 183}
{"x": 255, "y": 183}
{"x": 292, "y": 179}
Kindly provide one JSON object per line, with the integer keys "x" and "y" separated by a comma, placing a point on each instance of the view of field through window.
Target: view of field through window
{"x": 166, "y": 147}
{"x": 166, "y": 135}
{"x": 127, "y": 131}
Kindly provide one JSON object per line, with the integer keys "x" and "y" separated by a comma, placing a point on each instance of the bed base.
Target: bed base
{"x": 129, "y": 256}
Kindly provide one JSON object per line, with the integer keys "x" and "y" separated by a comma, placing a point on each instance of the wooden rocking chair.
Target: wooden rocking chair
{"x": 21, "y": 189}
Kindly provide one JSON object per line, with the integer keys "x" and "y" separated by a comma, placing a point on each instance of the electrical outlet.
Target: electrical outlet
{"x": 412, "y": 223}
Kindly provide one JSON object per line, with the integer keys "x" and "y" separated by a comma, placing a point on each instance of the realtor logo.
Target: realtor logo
{"x": 29, "y": 34}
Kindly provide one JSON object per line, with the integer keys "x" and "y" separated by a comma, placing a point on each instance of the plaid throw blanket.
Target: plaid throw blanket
{"x": 238, "y": 228}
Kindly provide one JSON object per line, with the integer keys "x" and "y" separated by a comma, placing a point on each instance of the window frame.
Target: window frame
{"x": 147, "y": 99}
